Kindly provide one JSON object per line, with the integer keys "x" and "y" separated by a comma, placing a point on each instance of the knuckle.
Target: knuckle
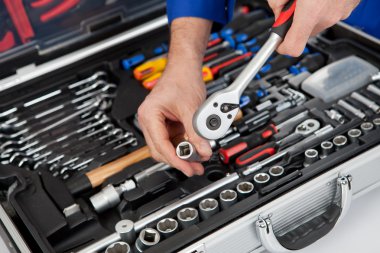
{"x": 346, "y": 14}
{"x": 272, "y": 3}
{"x": 275, "y": 3}
{"x": 331, "y": 20}
{"x": 141, "y": 112}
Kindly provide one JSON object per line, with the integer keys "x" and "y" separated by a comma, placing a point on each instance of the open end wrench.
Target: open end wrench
{"x": 215, "y": 116}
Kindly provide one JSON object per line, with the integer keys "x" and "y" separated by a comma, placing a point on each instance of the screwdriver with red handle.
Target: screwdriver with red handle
{"x": 267, "y": 150}
{"x": 262, "y": 152}
{"x": 257, "y": 138}
{"x": 228, "y": 153}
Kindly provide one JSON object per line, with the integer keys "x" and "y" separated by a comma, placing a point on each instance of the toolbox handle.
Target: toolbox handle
{"x": 311, "y": 231}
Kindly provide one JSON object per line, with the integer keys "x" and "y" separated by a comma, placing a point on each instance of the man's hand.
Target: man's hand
{"x": 168, "y": 110}
{"x": 310, "y": 18}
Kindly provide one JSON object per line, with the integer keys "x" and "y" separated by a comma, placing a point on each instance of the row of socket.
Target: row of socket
{"x": 186, "y": 217}
{"x": 339, "y": 142}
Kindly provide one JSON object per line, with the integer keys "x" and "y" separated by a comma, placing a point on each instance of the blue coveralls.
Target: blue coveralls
{"x": 365, "y": 17}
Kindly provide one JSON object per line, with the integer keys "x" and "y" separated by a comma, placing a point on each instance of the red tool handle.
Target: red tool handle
{"x": 58, "y": 10}
{"x": 284, "y": 21}
{"x": 216, "y": 69}
{"x": 257, "y": 154}
{"x": 230, "y": 152}
{"x": 7, "y": 42}
{"x": 20, "y": 19}
{"x": 40, "y": 3}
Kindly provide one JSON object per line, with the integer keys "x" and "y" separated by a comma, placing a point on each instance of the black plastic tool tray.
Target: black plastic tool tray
{"x": 336, "y": 44}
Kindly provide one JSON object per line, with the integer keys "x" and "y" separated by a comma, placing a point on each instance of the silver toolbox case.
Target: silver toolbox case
{"x": 257, "y": 231}
{"x": 272, "y": 226}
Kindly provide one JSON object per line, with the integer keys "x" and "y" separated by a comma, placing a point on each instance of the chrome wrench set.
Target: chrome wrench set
{"x": 65, "y": 129}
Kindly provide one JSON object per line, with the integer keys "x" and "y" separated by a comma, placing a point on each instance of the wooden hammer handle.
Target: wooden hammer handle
{"x": 99, "y": 175}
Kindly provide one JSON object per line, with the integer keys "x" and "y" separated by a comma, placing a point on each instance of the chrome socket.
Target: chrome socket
{"x": 335, "y": 115}
{"x": 260, "y": 180}
{"x": 366, "y": 101}
{"x": 109, "y": 196}
{"x": 276, "y": 172}
{"x": 353, "y": 135}
{"x": 366, "y": 127}
{"x": 167, "y": 227}
{"x": 351, "y": 109}
{"x": 186, "y": 151}
{"x": 311, "y": 156}
{"x": 187, "y": 217}
{"x": 327, "y": 147}
{"x": 227, "y": 198}
{"x": 340, "y": 141}
{"x": 244, "y": 189}
{"x": 208, "y": 207}
{"x": 148, "y": 237}
{"x": 118, "y": 247}
{"x": 372, "y": 88}
{"x": 126, "y": 230}
{"x": 376, "y": 122}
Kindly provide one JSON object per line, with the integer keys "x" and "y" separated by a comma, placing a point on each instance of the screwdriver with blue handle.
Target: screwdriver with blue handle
{"x": 242, "y": 21}
{"x": 281, "y": 62}
{"x": 129, "y": 63}
{"x": 251, "y": 31}
{"x": 309, "y": 63}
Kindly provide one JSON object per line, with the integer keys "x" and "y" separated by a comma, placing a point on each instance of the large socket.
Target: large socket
{"x": 208, "y": 207}
{"x": 227, "y": 198}
{"x": 118, "y": 247}
{"x": 244, "y": 189}
{"x": 260, "y": 180}
{"x": 187, "y": 217}
{"x": 167, "y": 227}
{"x": 311, "y": 156}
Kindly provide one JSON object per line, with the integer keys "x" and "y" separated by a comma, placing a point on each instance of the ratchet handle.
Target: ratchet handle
{"x": 284, "y": 21}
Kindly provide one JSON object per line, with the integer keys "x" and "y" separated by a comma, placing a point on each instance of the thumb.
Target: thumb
{"x": 201, "y": 145}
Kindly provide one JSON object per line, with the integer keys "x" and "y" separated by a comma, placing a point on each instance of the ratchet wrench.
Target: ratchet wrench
{"x": 215, "y": 116}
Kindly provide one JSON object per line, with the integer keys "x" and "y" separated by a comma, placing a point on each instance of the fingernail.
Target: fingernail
{"x": 200, "y": 173}
{"x": 188, "y": 174}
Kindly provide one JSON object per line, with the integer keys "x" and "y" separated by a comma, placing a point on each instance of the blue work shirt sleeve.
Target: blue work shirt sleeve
{"x": 219, "y": 11}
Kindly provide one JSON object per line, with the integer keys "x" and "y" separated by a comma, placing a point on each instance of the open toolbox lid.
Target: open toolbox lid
{"x": 36, "y": 31}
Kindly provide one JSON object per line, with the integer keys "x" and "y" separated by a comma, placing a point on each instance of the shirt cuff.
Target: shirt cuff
{"x": 219, "y": 11}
